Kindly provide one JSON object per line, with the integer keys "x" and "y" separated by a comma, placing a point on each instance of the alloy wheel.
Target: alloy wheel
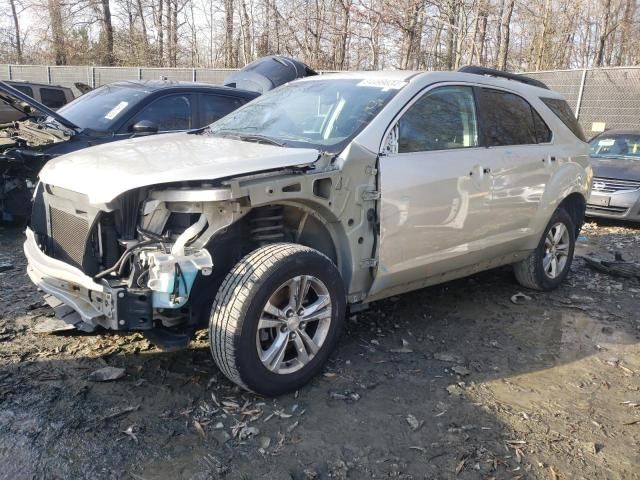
{"x": 556, "y": 245}
{"x": 294, "y": 324}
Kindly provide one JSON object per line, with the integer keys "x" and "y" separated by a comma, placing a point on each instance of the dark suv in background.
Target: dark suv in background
{"x": 114, "y": 112}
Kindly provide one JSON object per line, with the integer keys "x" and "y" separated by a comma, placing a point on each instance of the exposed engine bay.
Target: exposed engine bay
{"x": 21, "y": 158}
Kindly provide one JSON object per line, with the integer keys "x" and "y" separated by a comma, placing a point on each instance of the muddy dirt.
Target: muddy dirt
{"x": 454, "y": 381}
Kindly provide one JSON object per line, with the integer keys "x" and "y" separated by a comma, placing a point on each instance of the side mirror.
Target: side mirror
{"x": 145, "y": 127}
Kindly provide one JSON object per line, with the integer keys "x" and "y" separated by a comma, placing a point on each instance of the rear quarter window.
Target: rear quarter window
{"x": 52, "y": 97}
{"x": 562, "y": 110}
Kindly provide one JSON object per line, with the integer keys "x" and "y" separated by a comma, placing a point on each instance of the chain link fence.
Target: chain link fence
{"x": 601, "y": 98}
{"x": 68, "y": 76}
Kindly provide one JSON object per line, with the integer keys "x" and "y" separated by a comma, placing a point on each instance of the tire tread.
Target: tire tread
{"x": 234, "y": 297}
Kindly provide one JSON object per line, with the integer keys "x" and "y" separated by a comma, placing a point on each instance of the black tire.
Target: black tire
{"x": 530, "y": 272}
{"x": 238, "y": 306}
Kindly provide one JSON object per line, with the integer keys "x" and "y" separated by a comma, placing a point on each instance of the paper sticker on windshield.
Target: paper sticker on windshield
{"x": 606, "y": 142}
{"x": 384, "y": 84}
{"x": 113, "y": 113}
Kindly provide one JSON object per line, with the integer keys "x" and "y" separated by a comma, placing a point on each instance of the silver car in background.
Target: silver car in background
{"x": 615, "y": 159}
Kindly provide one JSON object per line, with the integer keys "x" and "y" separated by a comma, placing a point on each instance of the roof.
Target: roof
{"x": 440, "y": 76}
{"x": 37, "y": 84}
{"x": 155, "y": 85}
{"x": 397, "y": 75}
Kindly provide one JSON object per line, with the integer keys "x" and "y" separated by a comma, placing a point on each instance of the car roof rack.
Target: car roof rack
{"x": 477, "y": 70}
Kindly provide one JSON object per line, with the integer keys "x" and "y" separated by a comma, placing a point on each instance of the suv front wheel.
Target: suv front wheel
{"x": 276, "y": 318}
{"x": 549, "y": 263}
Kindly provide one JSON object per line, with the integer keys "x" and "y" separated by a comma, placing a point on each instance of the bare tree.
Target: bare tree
{"x": 16, "y": 26}
{"x": 505, "y": 23}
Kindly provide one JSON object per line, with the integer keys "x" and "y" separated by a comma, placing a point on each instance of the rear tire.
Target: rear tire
{"x": 548, "y": 265}
{"x": 276, "y": 318}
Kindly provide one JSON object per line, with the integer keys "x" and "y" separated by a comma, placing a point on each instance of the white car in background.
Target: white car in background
{"x": 330, "y": 191}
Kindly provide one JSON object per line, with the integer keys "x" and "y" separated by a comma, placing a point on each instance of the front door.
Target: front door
{"x": 435, "y": 189}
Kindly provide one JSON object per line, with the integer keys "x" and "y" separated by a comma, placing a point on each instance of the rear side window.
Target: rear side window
{"x": 52, "y": 97}
{"x": 563, "y": 111}
{"x": 507, "y": 119}
{"x": 27, "y": 90}
{"x": 443, "y": 119}
{"x": 214, "y": 107}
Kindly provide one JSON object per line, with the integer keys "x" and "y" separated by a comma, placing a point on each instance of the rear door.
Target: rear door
{"x": 434, "y": 190}
{"x": 521, "y": 163}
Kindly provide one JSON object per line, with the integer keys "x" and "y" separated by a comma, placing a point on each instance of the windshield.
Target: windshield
{"x": 623, "y": 145}
{"x": 101, "y": 108}
{"x": 321, "y": 114}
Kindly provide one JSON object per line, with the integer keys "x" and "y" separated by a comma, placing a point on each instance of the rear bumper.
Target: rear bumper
{"x": 95, "y": 304}
{"x": 617, "y": 205}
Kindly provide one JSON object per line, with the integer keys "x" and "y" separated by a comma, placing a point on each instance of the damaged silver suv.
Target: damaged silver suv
{"x": 330, "y": 191}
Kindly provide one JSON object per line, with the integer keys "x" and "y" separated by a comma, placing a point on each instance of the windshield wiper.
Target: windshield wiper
{"x": 247, "y": 137}
{"x": 256, "y": 137}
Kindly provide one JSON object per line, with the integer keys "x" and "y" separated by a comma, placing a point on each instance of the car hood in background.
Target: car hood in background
{"x": 267, "y": 73}
{"x": 15, "y": 98}
{"x": 106, "y": 171}
{"x": 619, "y": 168}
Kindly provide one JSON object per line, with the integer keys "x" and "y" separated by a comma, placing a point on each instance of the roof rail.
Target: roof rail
{"x": 477, "y": 70}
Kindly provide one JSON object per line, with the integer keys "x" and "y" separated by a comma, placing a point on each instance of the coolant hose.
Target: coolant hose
{"x": 189, "y": 234}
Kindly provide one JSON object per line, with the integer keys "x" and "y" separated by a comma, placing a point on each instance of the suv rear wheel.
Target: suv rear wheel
{"x": 276, "y": 318}
{"x": 548, "y": 265}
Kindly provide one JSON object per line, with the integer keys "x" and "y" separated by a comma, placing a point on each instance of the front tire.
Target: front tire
{"x": 548, "y": 265}
{"x": 276, "y": 318}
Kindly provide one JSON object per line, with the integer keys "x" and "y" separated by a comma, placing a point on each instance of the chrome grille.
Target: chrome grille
{"x": 619, "y": 211}
{"x": 69, "y": 236}
{"x": 611, "y": 185}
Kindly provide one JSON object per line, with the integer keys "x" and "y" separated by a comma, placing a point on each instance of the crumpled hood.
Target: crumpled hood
{"x": 619, "y": 168}
{"x": 105, "y": 171}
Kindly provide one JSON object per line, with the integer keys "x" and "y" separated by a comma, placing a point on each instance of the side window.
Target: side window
{"x": 168, "y": 113}
{"x": 52, "y": 97}
{"x": 26, "y": 89}
{"x": 543, "y": 133}
{"x": 444, "y": 118}
{"x": 506, "y": 118}
{"x": 214, "y": 107}
{"x": 563, "y": 111}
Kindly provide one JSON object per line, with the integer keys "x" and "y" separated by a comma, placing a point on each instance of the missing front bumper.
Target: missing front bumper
{"x": 80, "y": 301}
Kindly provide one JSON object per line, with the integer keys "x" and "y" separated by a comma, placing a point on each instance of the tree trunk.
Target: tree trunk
{"x": 57, "y": 32}
{"x": 108, "y": 33}
{"x": 625, "y": 30}
{"x": 228, "y": 38}
{"x": 452, "y": 18}
{"x": 482, "y": 31}
{"x": 160, "y": 28}
{"x": 543, "y": 35}
{"x": 604, "y": 33}
{"x": 503, "y": 52}
{"x": 174, "y": 34}
{"x": 145, "y": 38}
{"x": 16, "y": 26}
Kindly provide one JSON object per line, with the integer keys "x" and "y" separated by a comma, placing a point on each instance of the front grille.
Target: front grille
{"x": 611, "y": 185}
{"x": 68, "y": 236}
{"x": 620, "y": 211}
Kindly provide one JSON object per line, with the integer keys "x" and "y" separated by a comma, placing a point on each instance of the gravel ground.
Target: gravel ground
{"x": 453, "y": 381}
